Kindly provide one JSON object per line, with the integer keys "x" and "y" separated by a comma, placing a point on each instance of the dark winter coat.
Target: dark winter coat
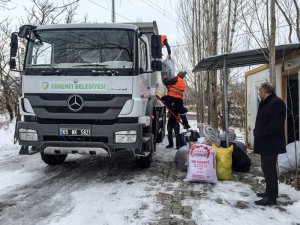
{"x": 269, "y": 135}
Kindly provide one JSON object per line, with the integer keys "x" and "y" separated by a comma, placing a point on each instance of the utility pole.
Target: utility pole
{"x": 113, "y": 14}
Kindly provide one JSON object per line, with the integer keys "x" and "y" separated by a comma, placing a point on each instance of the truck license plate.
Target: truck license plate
{"x": 74, "y": 132}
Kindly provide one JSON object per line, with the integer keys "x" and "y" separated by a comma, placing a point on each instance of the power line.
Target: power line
{"x": 163, "y": 10}
{"x": 113, "y": 15}
{"x": 110, "y": 10}
{"x": 183, "y": 44}
{"x": 158, "y": 10}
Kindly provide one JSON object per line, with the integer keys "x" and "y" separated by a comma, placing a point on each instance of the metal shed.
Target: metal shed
{"x": 240, "y": 59}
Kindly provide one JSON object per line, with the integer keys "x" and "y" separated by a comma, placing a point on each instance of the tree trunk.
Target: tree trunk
{"x": 272, "y": 39}
{"x": 10, "y": 111}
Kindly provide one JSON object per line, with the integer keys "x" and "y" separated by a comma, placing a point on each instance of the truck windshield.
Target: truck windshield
{"x": 110, "y": 48}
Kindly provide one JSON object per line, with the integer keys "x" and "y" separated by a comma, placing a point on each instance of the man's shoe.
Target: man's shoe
{"x": 261, "y": 195}
{"x": 169, "y": 146}
{"x": 265, "y": 202}
{"x": 177, "y": 147}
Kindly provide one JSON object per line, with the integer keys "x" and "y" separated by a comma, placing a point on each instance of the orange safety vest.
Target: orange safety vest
{"x": 177, "y": 89}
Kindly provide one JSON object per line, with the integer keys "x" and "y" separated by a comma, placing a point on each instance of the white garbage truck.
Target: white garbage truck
{"x": 88, "y": 88}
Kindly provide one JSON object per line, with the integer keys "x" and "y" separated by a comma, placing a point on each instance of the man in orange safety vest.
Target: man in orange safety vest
{"x": 174, "y": 98}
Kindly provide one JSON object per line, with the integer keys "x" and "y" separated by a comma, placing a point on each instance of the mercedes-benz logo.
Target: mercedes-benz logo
{"x": 75, "y": 103}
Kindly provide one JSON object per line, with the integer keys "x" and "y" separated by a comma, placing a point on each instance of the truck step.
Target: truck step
{"x": 142, "y": 154}
{"x": 74, "y": 150}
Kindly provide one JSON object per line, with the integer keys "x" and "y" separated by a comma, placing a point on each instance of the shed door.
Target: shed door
{"x": 254, "y": 100}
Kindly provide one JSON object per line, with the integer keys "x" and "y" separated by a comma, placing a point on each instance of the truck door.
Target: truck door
{"x": 145, "y": 78}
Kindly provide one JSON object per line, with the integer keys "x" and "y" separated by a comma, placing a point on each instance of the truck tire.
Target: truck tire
{"x": 145, "y": 162}
{"x": 53, "y": 159}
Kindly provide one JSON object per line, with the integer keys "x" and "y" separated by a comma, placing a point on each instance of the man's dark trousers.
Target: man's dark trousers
{"x": 173, "y": 124}
{"x": 268, "y": 165}
{"x": 176, "y": 108}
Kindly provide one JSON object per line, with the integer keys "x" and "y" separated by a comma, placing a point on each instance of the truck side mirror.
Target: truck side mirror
{"x": 13, "y": 50}
{"x": 13, "y": 44}
{"x": 156, "y": 65}
{"x": 156, "y": 48}
{"x": 25, "y": 30}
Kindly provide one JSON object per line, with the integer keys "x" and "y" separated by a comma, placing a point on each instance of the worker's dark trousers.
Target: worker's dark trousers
{"x": 268, "y": 165}
{"x": 173, "y": 124}
{"x": 176, "y": 105}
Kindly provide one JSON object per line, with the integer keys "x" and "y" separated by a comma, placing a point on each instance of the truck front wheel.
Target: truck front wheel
{"x": 145, "y": 162}
{"x": 53, "y": 159}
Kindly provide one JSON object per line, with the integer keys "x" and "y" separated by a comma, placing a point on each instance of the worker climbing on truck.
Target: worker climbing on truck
{"x": 174, "y": 97}
{"x": 176, "y": 86}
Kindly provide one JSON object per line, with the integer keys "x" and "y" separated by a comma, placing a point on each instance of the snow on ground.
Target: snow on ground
{"x": 11, "y": 179}
{"x": 118, "y": 202}
{"x": 218, "y": 207}
{"x": 113, "y": 203}
{"x": 7, "y": 146}
{"x": 132, "y": 201}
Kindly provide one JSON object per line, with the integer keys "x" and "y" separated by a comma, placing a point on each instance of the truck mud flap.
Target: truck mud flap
{"x": 24, "y": 150}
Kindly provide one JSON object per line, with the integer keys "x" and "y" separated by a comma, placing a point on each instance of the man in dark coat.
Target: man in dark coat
{"x": 269, "y": 139}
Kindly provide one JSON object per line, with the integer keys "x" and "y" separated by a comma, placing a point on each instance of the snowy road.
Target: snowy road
{"x": 84, "y": 190}
{"x": 91, "y": 190}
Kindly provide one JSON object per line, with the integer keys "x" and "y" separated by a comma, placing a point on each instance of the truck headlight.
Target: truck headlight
{"x": 128, "y": 136}
{"x": 28, "y": 135}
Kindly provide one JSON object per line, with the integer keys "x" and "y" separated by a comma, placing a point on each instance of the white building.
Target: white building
{"x": 287, "y": 88}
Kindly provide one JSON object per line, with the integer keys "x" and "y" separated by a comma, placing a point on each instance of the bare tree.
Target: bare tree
{"x": 9, "y": 81}
{"x": 204, "y": 24}
{"x": 190, "y": 25}
{"x": 71, "y": 12}
{"x": 291, "y": 14}
{"x": 272, "y": 39}
{"x": 47, "y": 12}
{"x": 263, "y": 17}
{"x": 42, "y": 12}
{"x": 214, "y": 51}
{"x": 3, "y": 4}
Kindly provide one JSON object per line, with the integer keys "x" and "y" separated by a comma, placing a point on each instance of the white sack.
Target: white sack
{"x": 286, "y": 161}
{"x": 202, "y": 164}
{"x": 181, "y": 157}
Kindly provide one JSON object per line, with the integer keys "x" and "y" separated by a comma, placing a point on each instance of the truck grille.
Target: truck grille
{"x": 95, "y": 106}
{"x": 86, "y": 97}
{"x": 85, "y": 139}
{"x": 63, "y": 109}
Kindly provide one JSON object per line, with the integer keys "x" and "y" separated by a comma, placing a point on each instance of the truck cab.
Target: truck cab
{"x": 89, "y": 87}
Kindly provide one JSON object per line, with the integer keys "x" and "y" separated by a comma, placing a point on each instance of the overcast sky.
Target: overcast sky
{"x": 163, "y": 11}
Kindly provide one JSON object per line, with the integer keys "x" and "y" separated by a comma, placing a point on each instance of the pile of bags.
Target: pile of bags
{"x": 205, "y": 160}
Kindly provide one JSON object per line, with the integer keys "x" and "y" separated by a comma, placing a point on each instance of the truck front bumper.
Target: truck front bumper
{"x": 100, "y": 135}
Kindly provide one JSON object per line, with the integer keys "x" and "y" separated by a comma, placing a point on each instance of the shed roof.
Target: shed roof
{"x": 244, "y": 58}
